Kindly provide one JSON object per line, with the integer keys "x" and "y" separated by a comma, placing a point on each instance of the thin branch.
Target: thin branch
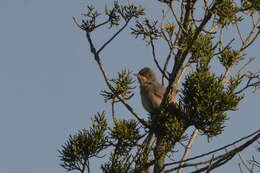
{"x": 249, "y": 83}
{"x": 88, "y": 167}
{"x": 97, "y": 58}
{"x": 227, "y": 46}
{"x": 156, "y": 62}
{"x": 239, "y": 165}
{"x": 219, "y": 160}
{"x": 113, "y": 110}
{"x": 216, "y": 150}
{"x": 239, "y": 33}
{"x": 101, "y": 24}
{"x": 166, "y": 63}
{"x": 144, "y": 147}
{"x": 113, "y": 37}
{"x": 77, "y": 24}
{"x": 188, "y": 148}
{"x": 251, "y": 37}
{"x": 244, "y": 66}
{"x": 178, "y": 21}
{"x": 244, "y": 163}
{"x": 227, "y": 73}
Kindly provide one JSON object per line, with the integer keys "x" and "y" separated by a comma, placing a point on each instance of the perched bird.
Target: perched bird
{"x": 151, "y": 90}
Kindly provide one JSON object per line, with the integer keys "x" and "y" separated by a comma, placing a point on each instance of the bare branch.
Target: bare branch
{"x": 244, "y": 163}
{"x": 156, "y": 62}
{"x": 214, "y": 151}
{"x": 239, "y": 165}
{"x": 228, "y": 156}
{"x": 113, "y": 110}
{"x": 97, "y": 58}
{"x": 239, "y": 33}
{"x": 188, "y": 148}
{"x": 219, "y": 160}
{"x": 178, "y": 21}
{"x": 251, "y": 76}
{"x": 113, "y": 37}
{"x": 77, "y": 24}
{"x": 252, "y": 36}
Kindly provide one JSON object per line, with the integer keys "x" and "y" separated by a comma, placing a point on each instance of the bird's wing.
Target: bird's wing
{"x": 158, "y": 89}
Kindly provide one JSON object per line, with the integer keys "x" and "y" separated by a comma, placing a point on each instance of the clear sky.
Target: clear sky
{"x": 50, "y": 84}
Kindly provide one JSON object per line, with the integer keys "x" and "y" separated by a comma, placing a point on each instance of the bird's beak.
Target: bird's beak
{"x": 135, "y": 74}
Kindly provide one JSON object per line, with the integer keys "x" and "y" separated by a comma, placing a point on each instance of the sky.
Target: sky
{"x": 50, "y": 84}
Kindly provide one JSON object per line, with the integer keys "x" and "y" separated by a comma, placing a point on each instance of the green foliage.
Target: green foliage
{"x": 143, "y": 159}
{"x": 126, "y": 134}
{"x": 148, "y": 29}
{"x": 169, "y": 28}
{"x": 230, "y": 57}
{"x": 128, "y": 11}
{"x": 205, "y": 97}
{"x": 122, "y": 87}
{"x": 205, "y": 101}
{"x": 114, "y": 15}
{"x": 84, "y": 144}
{"x": 252, "y": 5}
{"x": 202, "y": 50}
{"x": 117, "y": 164}
{"x": 91, "y": 15}
{"x": 169, "y": 128}
{"x": 226, "y": 10}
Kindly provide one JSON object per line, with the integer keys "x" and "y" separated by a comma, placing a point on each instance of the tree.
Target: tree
{"x": 193, "y": 32}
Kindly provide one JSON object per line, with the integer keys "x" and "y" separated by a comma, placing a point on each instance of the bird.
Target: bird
{"x": 151, "y": 91}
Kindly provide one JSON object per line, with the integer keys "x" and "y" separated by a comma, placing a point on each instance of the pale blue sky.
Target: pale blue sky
{"x": 50, "y": 84}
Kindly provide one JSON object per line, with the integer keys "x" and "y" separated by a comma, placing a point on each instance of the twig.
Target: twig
{"x": 228, "y": 156}
{"x": 227, "y": 46}
{"x": 178, "y": 21}
{"x": 214, "y": 151}
{"x": 244, "y": 66}
{"x": 97, "y": 58}
{"x": 156, "y": 62}
{"x": 188, "y": 148}
{"x": 251, "y": 37}
{"x": 113, "y": 110}
{"x": 219, "y": 160}
{"x": 77, "y": 24}
{"x": 144, "y": 147}
{"x": 227, "y": 73}
{"x": 244, "y": 163}
{"x": 167, "y": 62}
{"x": 239, "y": 165}
{"x": 239, "y": 33}
{"x": 249, "y": 84}
{"x": 88, "y": 166}
{"x": 113, "y": 37}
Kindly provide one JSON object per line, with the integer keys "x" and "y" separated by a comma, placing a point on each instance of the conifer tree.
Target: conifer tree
{"x": 193, "y": 33}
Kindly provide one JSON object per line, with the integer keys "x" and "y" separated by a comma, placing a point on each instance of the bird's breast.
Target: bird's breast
{"x": 150, "y": 101}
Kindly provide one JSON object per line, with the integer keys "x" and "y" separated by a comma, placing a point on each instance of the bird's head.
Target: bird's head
{"x": 146, "y": 75}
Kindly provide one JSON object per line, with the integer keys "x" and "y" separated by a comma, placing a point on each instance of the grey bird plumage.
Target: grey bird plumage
{"x": 151, "y": 91}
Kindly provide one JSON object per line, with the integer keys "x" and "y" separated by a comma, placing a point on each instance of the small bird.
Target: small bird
{"x": 151, "y": 90}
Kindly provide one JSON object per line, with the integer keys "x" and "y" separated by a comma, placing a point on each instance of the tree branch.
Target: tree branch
{"x": 249, "y": 83}
{"x": 156, "y": 62}
{"x": 113, "y": 37}
{"x": 216, "y": 150}
{"x": 188, "y": 148}
{"x": 221, "y": 159}
{"x": 228, "y": 156}
{"x": 100, "y": 65}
